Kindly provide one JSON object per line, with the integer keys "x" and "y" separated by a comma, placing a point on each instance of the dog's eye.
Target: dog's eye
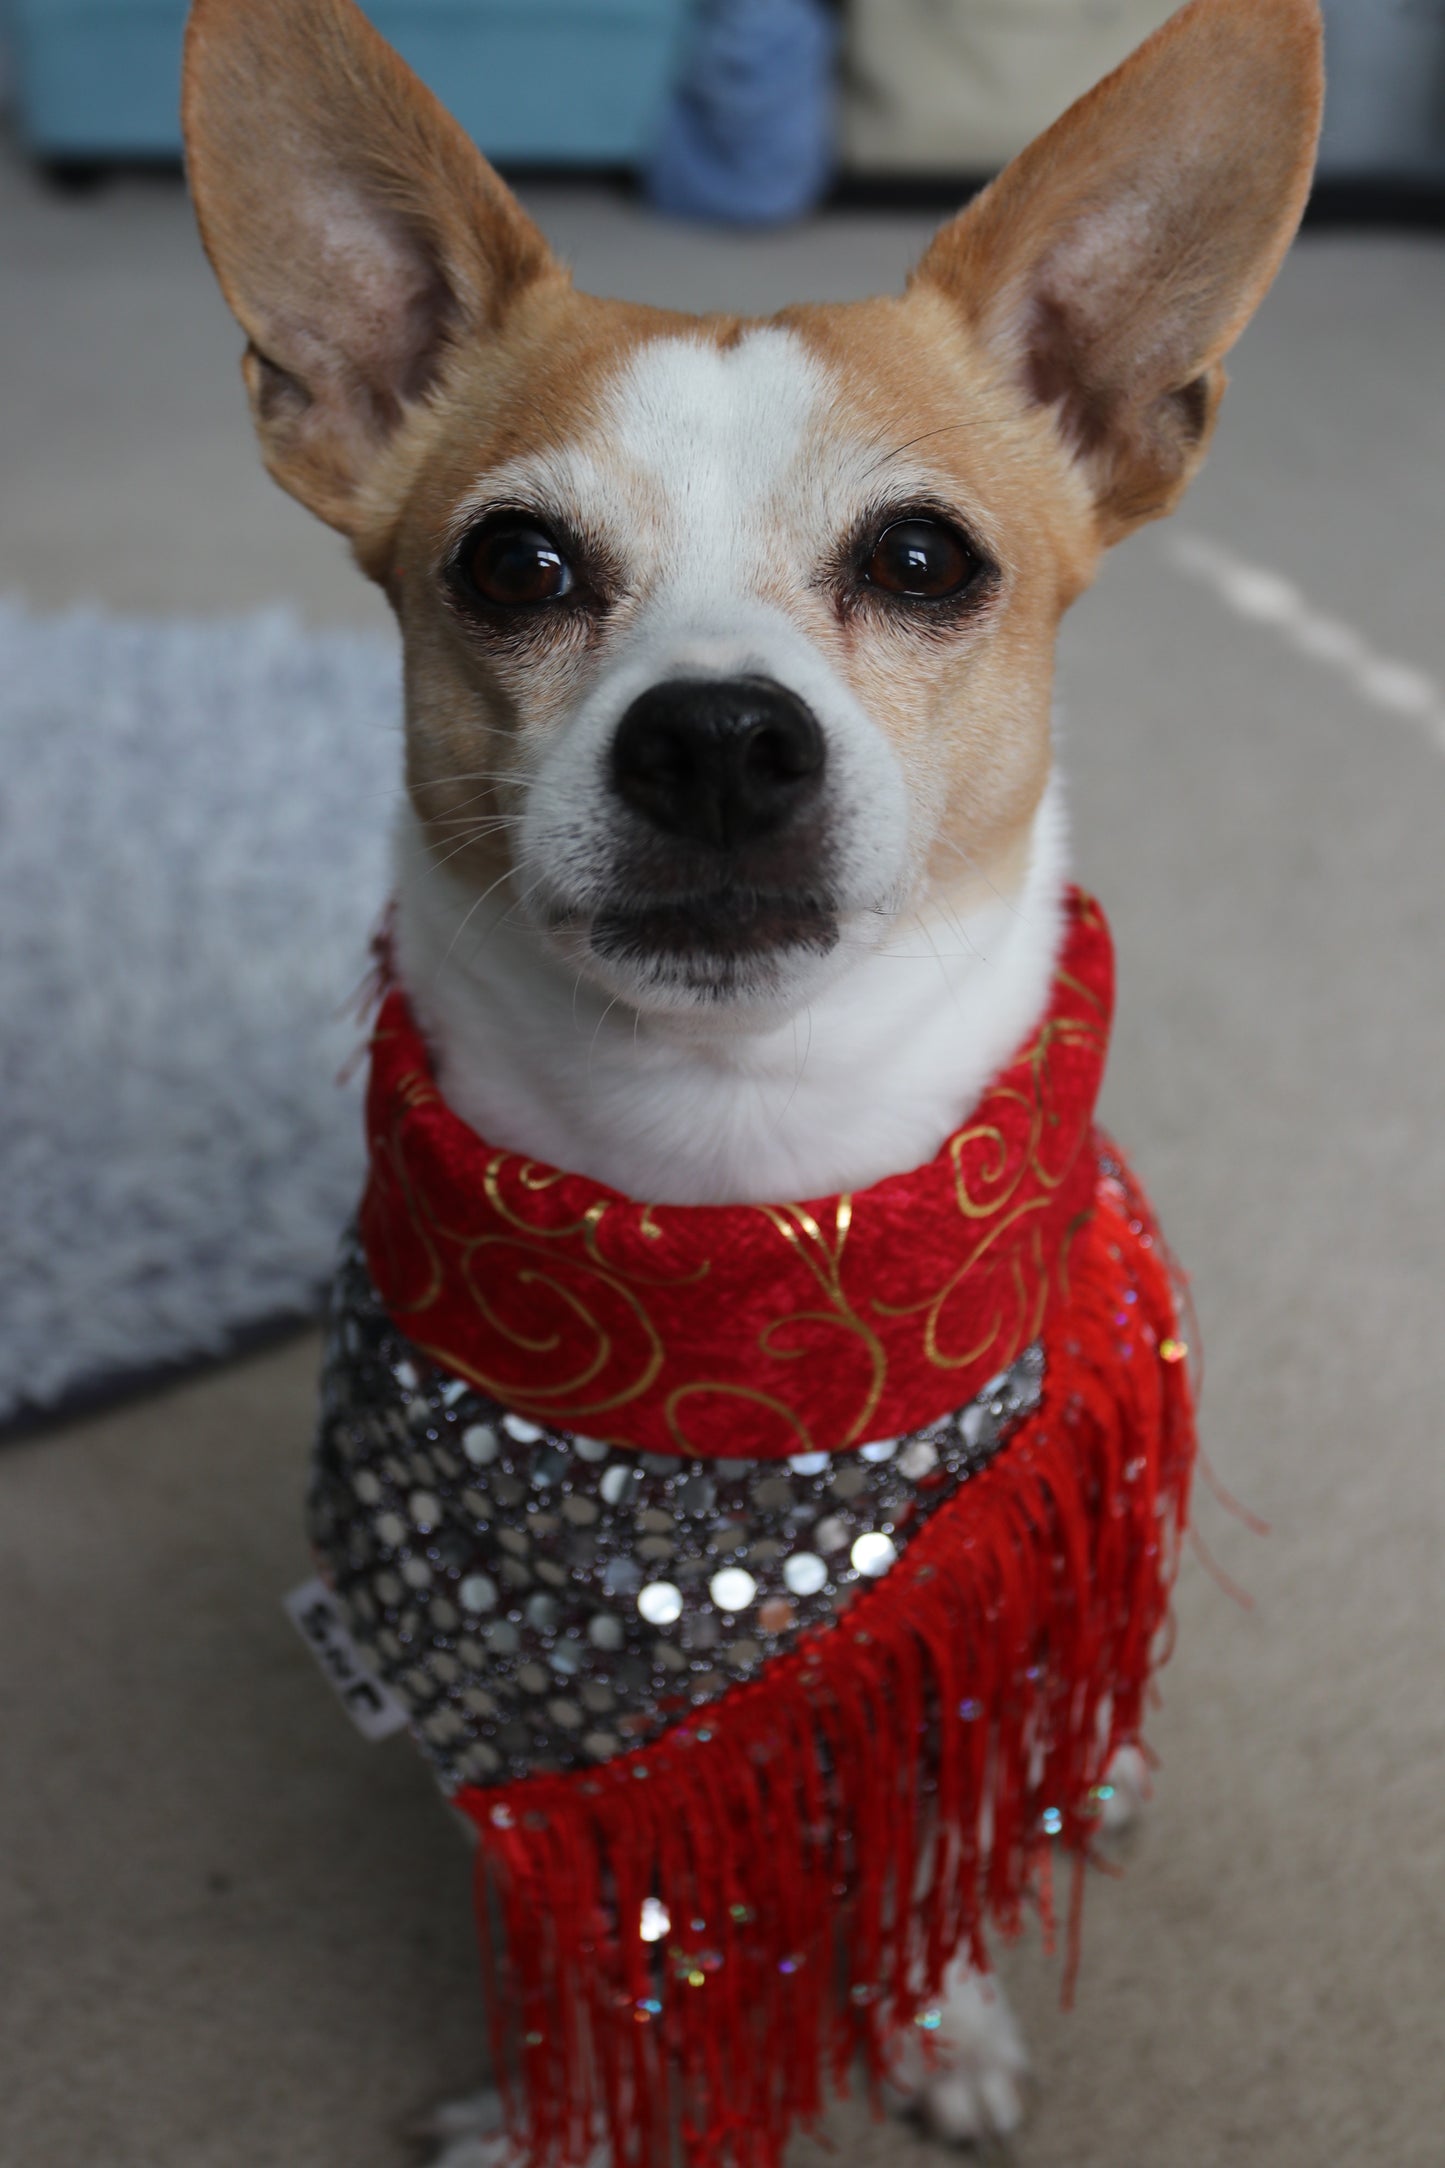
{"x": 922, "y": 559}
{"x": 516, "y": 567}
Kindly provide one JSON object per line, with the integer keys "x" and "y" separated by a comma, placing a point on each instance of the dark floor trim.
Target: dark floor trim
{"x": 121, "y": 1388}
{"x": 1411, "y": 201}
{"x": 1399, "y": 200}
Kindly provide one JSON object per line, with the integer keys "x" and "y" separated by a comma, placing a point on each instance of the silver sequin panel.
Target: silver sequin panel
{"x": 540, "y": 1600}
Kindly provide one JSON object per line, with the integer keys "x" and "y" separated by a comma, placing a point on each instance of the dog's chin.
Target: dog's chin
{"x": 733, "y": 957}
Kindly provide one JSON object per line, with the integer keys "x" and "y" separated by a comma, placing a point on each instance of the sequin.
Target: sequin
{"x": 732, "y": 1590}
{"x": 540, "y": 1600}
{"x": 773, "y": 1494}
{"x": 660, "y": 1603}
{"x": 479, "y": 1443}
{"x": 873, "y": 1554}
{"x": 617, "y": 1482}
{"x": 919, "y": 1459}
{"x": 656, "y": 1922}
{"x": 805, "y": 1573}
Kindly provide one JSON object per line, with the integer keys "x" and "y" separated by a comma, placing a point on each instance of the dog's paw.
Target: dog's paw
{"x": 1125, "y": 1791}
{"x": 469, "y": 2134}
{"x": 968, "y": 2085}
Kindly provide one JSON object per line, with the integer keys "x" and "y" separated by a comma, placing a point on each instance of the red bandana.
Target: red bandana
{"x": 749, "y": 1331}
{"x": 948, "y": 1729}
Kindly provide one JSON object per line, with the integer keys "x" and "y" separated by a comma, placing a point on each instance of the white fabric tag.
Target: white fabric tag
{"x": 317, "y": 1617}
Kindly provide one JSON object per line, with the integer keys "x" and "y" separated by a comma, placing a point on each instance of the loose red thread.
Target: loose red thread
{"x": 827, "y": 1839}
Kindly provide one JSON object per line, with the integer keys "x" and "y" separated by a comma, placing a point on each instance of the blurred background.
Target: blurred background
{"x": 233, "y": 1933}
{"x": 782, "y": 100}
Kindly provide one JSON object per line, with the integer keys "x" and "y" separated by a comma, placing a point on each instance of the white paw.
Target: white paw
{"x": 469, "y": 2134}
{"x": 1126, "y": 1789}
{"x": 969, "y": 2090}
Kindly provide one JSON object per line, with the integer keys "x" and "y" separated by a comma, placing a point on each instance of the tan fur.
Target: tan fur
{"x": 1205, "y": 137}
{"x": 1048, "y": 380}
{"x": 1055, "y": 367}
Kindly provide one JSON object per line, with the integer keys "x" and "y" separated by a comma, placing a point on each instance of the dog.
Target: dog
{"x": 733, "y": 860}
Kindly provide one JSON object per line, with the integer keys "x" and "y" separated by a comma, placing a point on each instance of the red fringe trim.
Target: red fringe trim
{"x": 826, "y": 1839}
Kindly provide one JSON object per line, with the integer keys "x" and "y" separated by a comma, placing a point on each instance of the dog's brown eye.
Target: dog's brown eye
{"x": 921, "y": 558}
{"x": 516, "y": 568}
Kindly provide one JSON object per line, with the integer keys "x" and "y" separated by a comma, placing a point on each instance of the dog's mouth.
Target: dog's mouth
{"x": 731, "y": 927}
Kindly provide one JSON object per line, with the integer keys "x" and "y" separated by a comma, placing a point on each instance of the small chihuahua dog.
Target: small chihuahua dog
{"x": 732, "y": 863}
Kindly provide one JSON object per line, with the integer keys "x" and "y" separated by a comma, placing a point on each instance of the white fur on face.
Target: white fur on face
{"x": 867, "y": 1078}
{"x": 722, "y": 480}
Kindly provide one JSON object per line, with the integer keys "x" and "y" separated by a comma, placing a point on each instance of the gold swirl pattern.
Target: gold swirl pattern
{"x": 747, "y": 1331}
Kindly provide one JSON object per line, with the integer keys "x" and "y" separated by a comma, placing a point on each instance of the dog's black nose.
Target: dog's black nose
{"x": 719, "y": 761}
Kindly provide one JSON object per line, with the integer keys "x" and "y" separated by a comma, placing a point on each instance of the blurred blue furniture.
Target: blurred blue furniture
{"x": 1385, "y": 104}
{"x": 749, "y": 134}
{"x": 548, "y": 82}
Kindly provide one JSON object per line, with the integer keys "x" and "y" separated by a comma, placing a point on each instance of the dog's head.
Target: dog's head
{"x": 728, "y": 642}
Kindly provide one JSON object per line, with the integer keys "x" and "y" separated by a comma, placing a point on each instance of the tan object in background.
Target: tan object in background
{"x": 957, "y": 86}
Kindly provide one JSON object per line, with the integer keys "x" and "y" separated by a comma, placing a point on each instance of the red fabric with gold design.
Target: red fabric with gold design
{"x": 742, "y": 1330}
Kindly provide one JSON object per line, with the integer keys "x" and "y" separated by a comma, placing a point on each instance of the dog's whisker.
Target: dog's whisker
{"x": 799, "y": 1065}
{"x": 485, "y": 824}
{"x": 445, "y": 857}
{"x": 471, "y": 914}
{"x": 952, "y": 920}
{"x": 949, "y": 844}
{"x": 950, "y": 989}
{"x": 503, "y": 918}
{"x": 602, "y": 1019}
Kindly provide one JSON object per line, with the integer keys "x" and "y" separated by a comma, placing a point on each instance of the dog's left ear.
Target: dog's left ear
{"x": 1114, "y": 263}
{"x": 358, "y": 235}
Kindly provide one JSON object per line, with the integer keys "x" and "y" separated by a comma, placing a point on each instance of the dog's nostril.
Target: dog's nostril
{"x": 718, "y": 761}
{"x": 779, "y": 756}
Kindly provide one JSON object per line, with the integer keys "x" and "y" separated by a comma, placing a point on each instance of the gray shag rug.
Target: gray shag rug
{"x": 194, "y": 823}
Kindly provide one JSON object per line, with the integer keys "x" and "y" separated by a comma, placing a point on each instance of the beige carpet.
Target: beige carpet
{"x": 232, "y": 1936}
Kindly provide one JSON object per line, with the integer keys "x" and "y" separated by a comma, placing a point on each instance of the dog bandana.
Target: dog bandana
{"x": 770, "y": 1586}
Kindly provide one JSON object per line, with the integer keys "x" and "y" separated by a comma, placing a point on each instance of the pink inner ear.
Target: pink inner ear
{"x": 1054, "y": 374}
{"x": 376, "y": 310}
{"x": 1119, "y": 316}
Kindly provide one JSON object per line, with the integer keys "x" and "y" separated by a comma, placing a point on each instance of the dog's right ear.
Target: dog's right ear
{"x": 357, "y": 233}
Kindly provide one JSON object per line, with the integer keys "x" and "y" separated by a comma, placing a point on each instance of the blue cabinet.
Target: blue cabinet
{"x": 542, "y": 81}
{"x": 1385, "y": 105}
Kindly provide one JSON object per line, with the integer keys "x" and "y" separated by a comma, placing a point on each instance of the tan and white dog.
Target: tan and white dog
{"x": 732, "y": 862}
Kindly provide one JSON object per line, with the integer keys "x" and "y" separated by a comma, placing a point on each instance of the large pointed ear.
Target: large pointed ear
{"x": 357, "y": 233}
{"x": 1113, "y": 264}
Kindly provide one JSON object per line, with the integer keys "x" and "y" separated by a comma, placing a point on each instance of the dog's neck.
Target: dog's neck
{"x": 867, "y": 1082}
